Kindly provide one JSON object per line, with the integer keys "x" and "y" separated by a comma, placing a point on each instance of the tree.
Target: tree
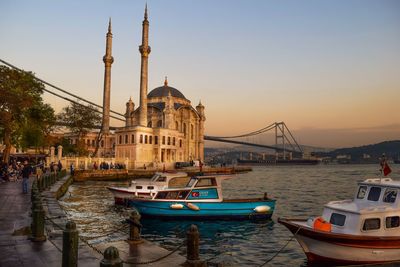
{"x": 36, "y": 131}
{"x": 80, "y": 119}
{"x": 23, "y": 115}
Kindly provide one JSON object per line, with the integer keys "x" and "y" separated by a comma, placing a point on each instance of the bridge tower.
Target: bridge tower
{"x": 144, "y": 50}
{"x": 108, "y": 60}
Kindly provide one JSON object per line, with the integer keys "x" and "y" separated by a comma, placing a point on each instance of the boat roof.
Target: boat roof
{"x": 172, "y": 174}
{"x": 360, "y": 207}
{"x": 386, "y": 182}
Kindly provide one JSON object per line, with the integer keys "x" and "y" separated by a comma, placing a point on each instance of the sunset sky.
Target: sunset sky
{"x": 329, "y": 69}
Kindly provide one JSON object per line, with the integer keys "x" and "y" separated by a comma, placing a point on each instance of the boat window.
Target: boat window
{"x": 372, "y": 224}
{"x": 162, "y": 179}
{"x": 362, "y": 191}
{"x": 183, "y": 194}
{"x": 206, "y": 182}
{"x": 191, "y": 182}
{"x": 150, "y": 187}
{"x": 167, "y": 195}
{"x": 161, "y": 195}
{"x": 337, "y": 219}
{"x": 139, "y": 187}
{"x": 390, "y": 195}
{"x": 374, "y": 193}
{"x": 392, "y": 222}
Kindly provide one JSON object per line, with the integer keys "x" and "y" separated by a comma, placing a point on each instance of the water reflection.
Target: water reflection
{"x": 301, "y": 191}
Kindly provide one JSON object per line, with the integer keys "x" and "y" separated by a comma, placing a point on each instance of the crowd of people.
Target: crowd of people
{"x": 16, "y": 171}
{"x": 107, "y": 166}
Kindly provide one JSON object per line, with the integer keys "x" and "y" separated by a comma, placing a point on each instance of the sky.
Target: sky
{"x": 329, "y": 69}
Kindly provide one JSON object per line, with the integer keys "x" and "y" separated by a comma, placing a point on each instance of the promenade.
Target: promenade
{"x": 15, "y": 247}
{"x": 17, "y": 250}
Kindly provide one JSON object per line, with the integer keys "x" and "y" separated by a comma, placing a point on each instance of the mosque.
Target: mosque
{"x": 164, "y": 129}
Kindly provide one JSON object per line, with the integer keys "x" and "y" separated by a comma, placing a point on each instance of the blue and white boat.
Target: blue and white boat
{"x": 202, "y": 198}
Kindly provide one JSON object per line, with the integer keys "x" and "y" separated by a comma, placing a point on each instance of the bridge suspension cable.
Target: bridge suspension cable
{"x": 286, "y": 139}
{"x": 64, "y": 91}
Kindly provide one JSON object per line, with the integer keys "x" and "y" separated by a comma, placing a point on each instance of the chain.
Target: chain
{"x": 156, "y": 260}
{"x": 282, "y": 248}
{"x": 84, "y": 240}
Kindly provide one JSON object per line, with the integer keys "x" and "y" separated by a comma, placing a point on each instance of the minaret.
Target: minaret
{"x": 144, "y": 51}
{"x": 200, "y": 138}
{"x": 108, "y": 60}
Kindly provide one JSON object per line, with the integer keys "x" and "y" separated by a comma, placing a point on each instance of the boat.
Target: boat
{"x": 202, "y": 198}
{"x": 362, "y": 230}
{"x": 145, "y": 188}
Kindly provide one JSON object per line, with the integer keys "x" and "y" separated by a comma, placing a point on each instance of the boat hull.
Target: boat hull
{"x": 203, "y": 210}
{"x": 343, "y": 249}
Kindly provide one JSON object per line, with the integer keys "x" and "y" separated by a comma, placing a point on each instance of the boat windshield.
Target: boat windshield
{"x": 158, "y": 178}
{"x": 191, "y": 182}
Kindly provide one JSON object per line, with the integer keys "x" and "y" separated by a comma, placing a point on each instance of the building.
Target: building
{"x": 165, "y": 128}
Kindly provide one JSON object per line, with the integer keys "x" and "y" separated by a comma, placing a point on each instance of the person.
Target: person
{"x": 26, "y": 171}
{"x": 71, "y": 167}
{"x": 59, "y": 165}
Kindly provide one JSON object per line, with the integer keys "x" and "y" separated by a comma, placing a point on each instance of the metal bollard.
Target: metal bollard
{"x": 193, "y": 239}
{"x": 135, "y": 228}
{"x": 111, "y": 258}
{"x": 38, "y": 223}
{"x": 70, "y": 245}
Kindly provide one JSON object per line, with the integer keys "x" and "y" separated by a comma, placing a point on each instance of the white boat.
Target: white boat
{"x": 145, "y": 188}
{"x": 363, "y": 230}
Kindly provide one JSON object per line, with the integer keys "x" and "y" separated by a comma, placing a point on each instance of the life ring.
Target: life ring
{"x": 322, "y": 225}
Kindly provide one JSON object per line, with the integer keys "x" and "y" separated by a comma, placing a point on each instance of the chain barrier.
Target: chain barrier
{"x": 156, "y": 260}
{"x": 282, "y": 248}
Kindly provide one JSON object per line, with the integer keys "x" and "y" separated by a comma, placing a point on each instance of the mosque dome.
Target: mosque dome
{"x": 163, "y": 91}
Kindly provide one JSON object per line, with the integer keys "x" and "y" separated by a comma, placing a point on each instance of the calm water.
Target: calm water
{"x": 301, "y": 191}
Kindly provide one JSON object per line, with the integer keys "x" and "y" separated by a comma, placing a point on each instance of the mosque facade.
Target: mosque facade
{"x": 164, "y": 129}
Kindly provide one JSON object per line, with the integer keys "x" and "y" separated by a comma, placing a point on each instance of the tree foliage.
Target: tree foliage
{"x": 79, "y": 119}
{"x": 24, "y": 118}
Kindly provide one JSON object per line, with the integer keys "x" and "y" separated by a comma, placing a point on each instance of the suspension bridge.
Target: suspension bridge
{"x": 275, "y": 136}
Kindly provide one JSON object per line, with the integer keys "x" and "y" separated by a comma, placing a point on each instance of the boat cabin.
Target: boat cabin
{"x": 375, "y": 210}
{"x": 199, "y": 188}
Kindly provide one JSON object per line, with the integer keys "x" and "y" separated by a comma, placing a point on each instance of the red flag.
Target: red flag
{"x": 386, "y": 169}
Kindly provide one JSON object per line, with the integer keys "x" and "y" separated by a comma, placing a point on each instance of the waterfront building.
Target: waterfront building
{"x": 165, "y": 128}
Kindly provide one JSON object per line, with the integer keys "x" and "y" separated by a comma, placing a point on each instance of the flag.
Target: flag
{"x": 386, "y": 169}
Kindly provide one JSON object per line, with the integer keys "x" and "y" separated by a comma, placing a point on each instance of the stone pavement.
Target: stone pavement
{"x": 17, "y": 250}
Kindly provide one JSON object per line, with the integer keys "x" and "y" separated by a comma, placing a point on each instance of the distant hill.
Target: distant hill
{"x": 390, "y": 148}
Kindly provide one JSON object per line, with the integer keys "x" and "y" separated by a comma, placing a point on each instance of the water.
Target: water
{"x": 301, "y": 191}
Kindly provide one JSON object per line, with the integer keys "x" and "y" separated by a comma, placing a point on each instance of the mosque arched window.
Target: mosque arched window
{"x": 184, "y": 129}
{"x": 133, "y": 138}
{"x": 126, "y": 139}
{"x": 180, "y": 142}
{"x": 120, "y": 139}
{"x": 141, "y": 139}
{"x": 173, "y": 141}
{"x": 191, "y": 131}
{"x": 145, "y": 139}
{"x": 177, "y": 125}
{"x": 150, "y": 139}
